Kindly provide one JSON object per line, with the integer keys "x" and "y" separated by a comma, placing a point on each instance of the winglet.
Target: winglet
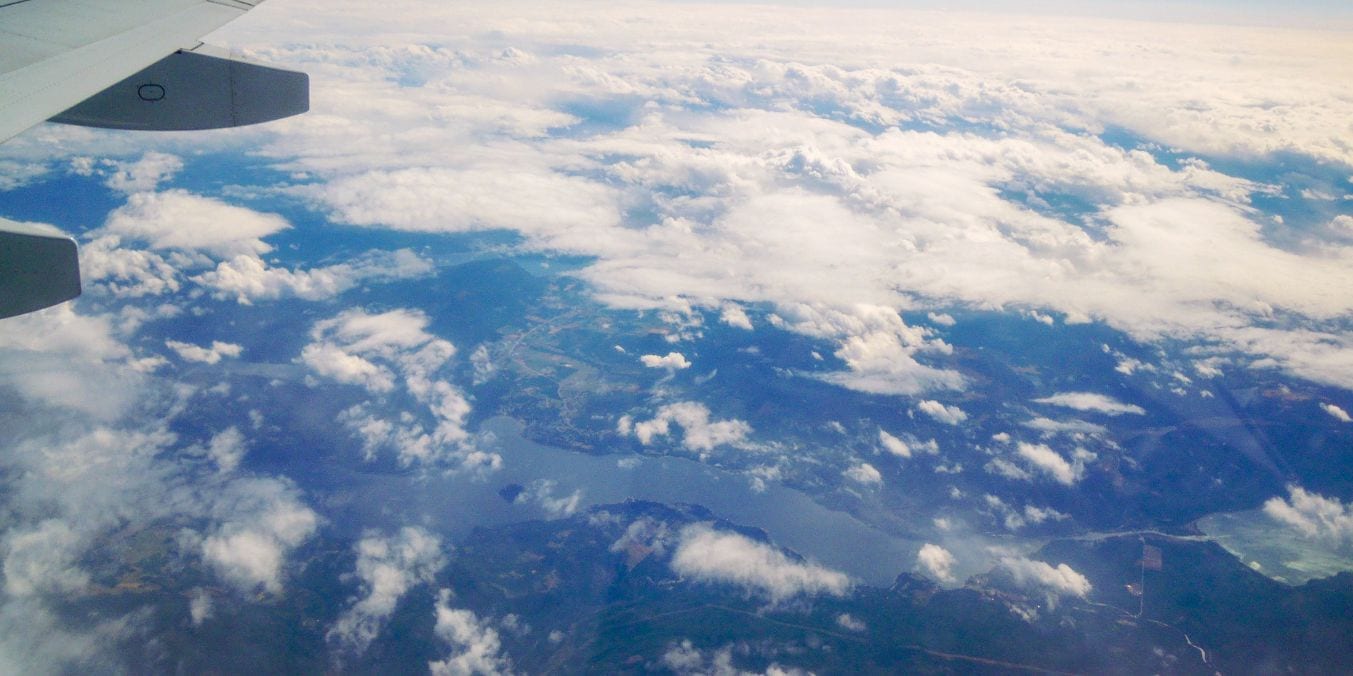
{"x": 38, "y": 269}
{"x": 196, "y": 89}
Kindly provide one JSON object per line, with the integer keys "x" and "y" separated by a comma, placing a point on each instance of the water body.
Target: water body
{"x": 455, "y": 504}
{"x": 1276, "y": 550}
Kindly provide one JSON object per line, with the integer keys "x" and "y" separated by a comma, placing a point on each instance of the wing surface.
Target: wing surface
{"x": 40, "y": 268}
{"x": 120, "y": 64}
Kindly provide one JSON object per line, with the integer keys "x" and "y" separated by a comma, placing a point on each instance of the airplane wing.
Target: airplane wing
{"x": 120, "y": 64}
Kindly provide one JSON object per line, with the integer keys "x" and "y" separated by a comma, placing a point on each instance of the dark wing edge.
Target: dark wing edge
{"x": 38, "y": 269}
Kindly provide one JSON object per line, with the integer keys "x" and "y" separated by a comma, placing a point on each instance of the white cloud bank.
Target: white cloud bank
{"x": 703, "y": 553}
{"x": 810, "y": 178}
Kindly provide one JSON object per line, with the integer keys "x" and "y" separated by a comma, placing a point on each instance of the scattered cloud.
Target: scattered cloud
{"x": 850, "y": 623}
{"x": 864, "y": 473}
{"x": 712, "y": 194}
{"x": 878, "y": 347}
{"x": 1042, "y": 458}
{"x": 204, "y": 355}
{"x": 388, "y": 567}
{"x": 200, "y": 606}
{"x": 949, "y": 415}
{"x": 706, "y": 554}
{"x": 926, "y": 207}
{"x": 248, "y": 279}
{"x": 333, "y": 362}
{"x": 1075, "y": 428}
{"x": 674, "y": 361}
{"x": 380, "y": 352}
{"x": 1015, "y": 519}
{"x": 1313, "y": 515}
{"x": 263, "y": 519}
{"x": 646, "y": 534}
{"x": 542, "y": 493}
{"x": 1008, "y": 470}
{"x": 699, "y": 433}
{"x": 475, "y": 646}
{"x": 1335, "y": 412}
{"x": 937, "y": 562}
{"x": 1089, "y": 401}
{"x": 1054, "y": 583}
{"x": 177, "y": 219}
{"x": 894, "y": 445}
{"x": 940, "y": 318}
{"x": 686, "y": 659}
{"x": 73, "y": 361}
{"x": 43, "y": 560}
{"x": 734, "y": 316}
{"x": 143, "y": 175}
{"x": 227, "y": 449}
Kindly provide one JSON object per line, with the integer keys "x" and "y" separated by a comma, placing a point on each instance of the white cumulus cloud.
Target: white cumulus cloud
{"x": 894, "y": 445}
{"x": 1313, "y": 515}
{"x": 476, "y": 648}
{"x": 388, "y": 566}
{"x": 264, "y": 521}
{"x": 706, "y": 554}
{"x": 142, "y": 175}
{"x": 1054, "y": 583}
{"x": 381, "y": 352}
{"x": 699, "y": 433}
{"x": 863, "y": 473}
{"x": 949, "y": 415}
{"x": 1042, "y": 458}
{"x": 937, "y": 562}
{"x": 177, "y": 219}
{"x": 1335, "y": 412}
{"x": 674, "y": 361}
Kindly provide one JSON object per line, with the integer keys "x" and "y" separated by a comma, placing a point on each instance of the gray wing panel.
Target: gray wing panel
{"x": 195, "y": 90}
{"x": 38, "y": 269}
{"x": 56, "y": 53}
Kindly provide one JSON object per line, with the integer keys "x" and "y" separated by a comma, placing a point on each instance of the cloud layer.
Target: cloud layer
{"x": 811, "y": 180}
